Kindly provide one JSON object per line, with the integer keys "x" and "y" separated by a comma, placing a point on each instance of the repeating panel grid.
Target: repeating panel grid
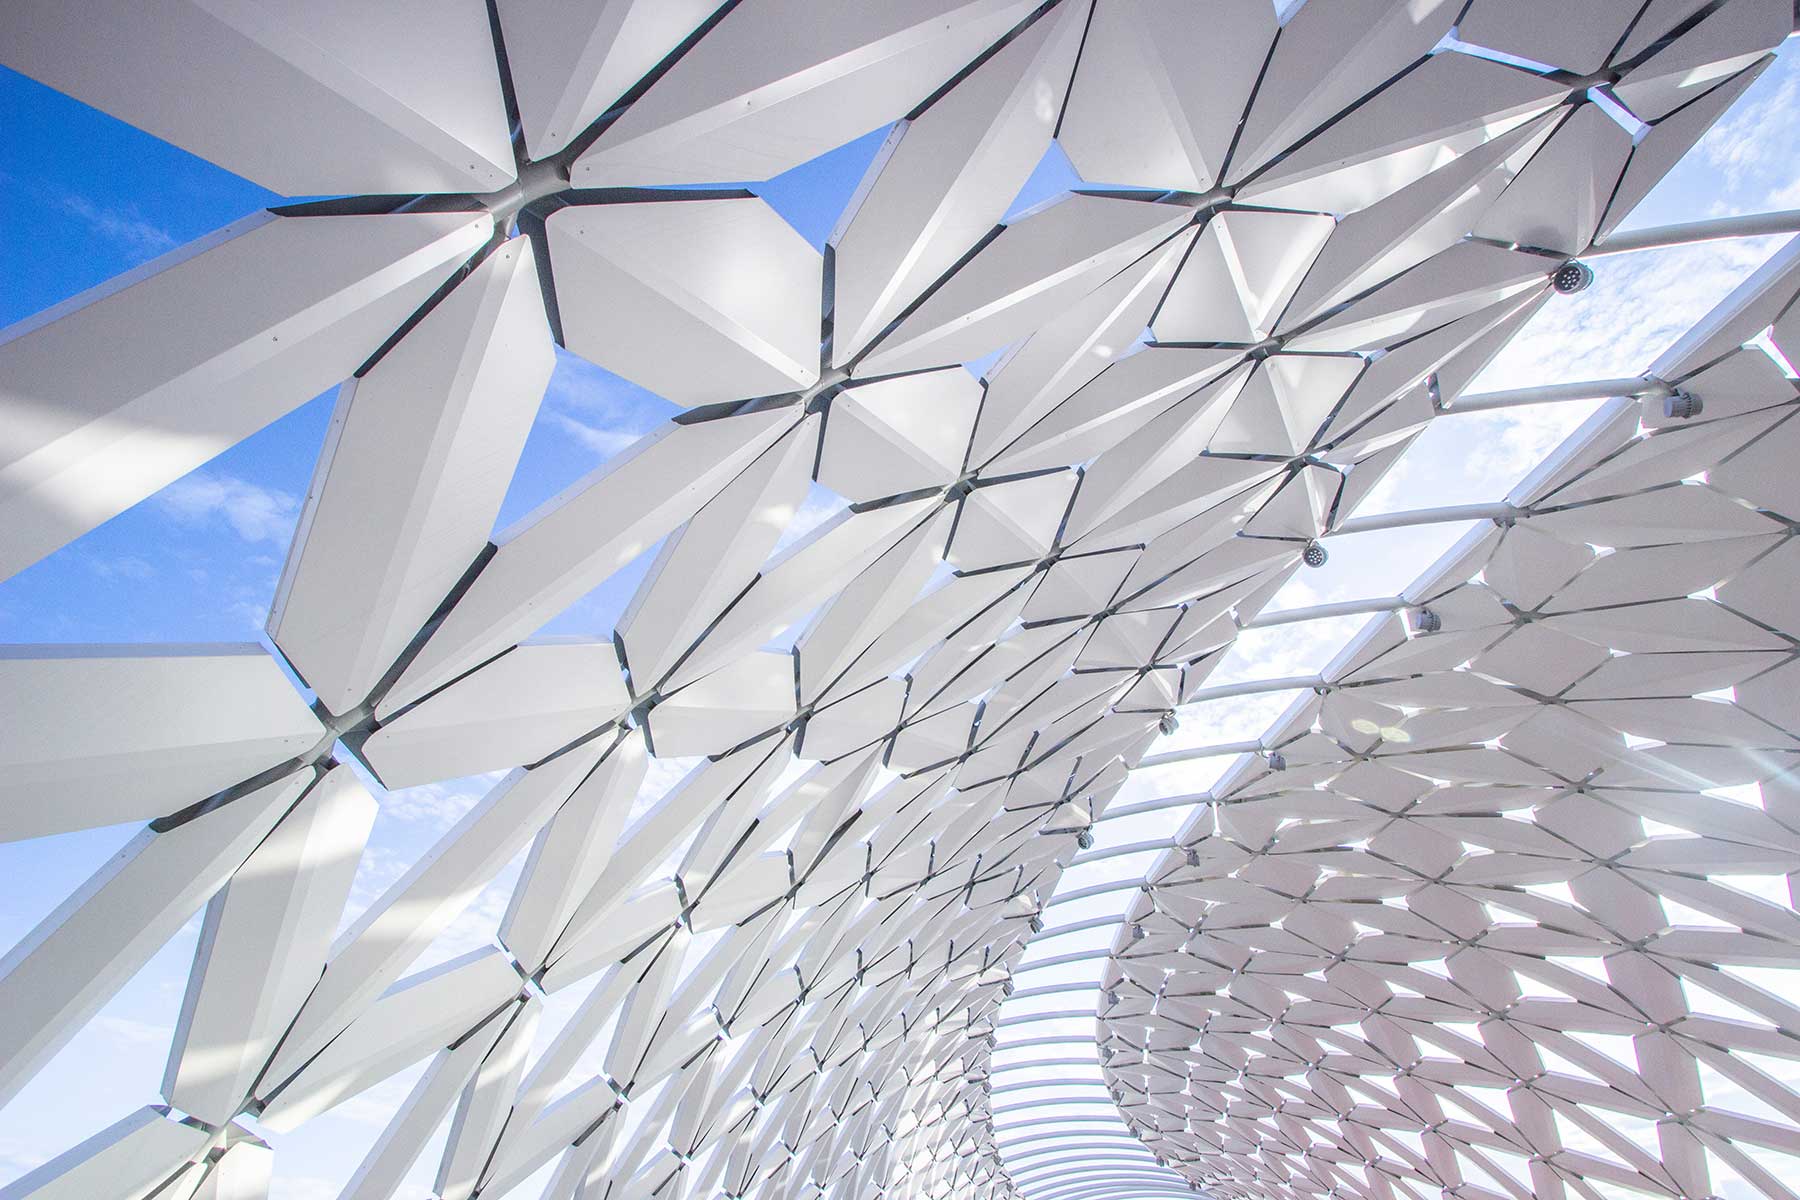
{"x": 770, "y": 853}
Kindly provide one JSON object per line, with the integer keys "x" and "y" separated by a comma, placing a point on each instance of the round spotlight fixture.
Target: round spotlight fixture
{"x": 1573, "y": 276}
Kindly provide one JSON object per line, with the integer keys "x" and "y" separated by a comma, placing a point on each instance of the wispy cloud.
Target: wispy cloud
{"x": 1638, "y": 306}
{"x": 477, "y": 925}
{"x": 124, "y": 225}
{"x": 439, "y": 805}
{"x": 126, "y": 566}
{"x": 581, "y": 386}
{"x": 604, "y": 442}
{"x": 375, "y": 1108}
{"x": 255, "y": 513}
{"x": 253, "y": 613}
{"x": 819, "y": 507}
{"x": 1740, "y": 145}
{"x": 411, "y": 821}
{"x": 597, "y": 408}
{"x": 19, "y": 1156}
{"x": 660, "y": 778}
{"x": 133, "y": 1033}
{"x": 1476, "y": 458}
{"x": 308, "y": 1187}
{"x": 1512, "y": 449}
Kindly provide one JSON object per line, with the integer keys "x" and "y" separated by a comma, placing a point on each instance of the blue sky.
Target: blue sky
{"x": 86, "y": 197}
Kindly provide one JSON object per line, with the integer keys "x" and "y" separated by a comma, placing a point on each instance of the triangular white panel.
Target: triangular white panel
{"x": 700, "y": 300}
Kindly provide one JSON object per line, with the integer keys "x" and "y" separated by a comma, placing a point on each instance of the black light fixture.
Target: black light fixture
{"x": 1573, "y": 276}
{"x": 1314, "y": 555}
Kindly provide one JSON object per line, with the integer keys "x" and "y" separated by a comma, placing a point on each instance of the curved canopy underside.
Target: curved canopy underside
{"x": 955, "y": 517}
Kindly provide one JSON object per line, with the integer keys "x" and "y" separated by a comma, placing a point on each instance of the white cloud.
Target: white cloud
{"x": 308, "y": 1187}
{"x": 604, "y": 442}
{"x": 1741, "y": 146}
{"x": 19, "y": 1156}
{"x": 477, "y": 925}
{"x": 1506, "y": 449}
{"x": 598, "y": 409}
{"x": 819, "y": 507}
{"x": 254, "y": 616}
{"x": 660, "y": 776}
{"x": 125, "y": 226}
{"x": 580, "y": 385}
{"x": 124, "y": 567}
{"x": 411, "y": 821}
{"x": 439, "y": 805}
{"x": 375, "y": 1107}
{"x": 1284, "y": 650}
{"x": 255, "y": 513}
{"x": 379, "y": 868}
{"x": 133, "y": 1033}
{"x": 1637, "y": 307}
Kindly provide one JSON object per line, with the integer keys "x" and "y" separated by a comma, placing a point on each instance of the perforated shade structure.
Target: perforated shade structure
{"x": 1497, "y": 910}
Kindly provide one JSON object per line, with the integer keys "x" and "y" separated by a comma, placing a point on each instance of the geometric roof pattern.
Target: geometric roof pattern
{"x": 1076, "y": 449}
{"x": 1491, "y": 928}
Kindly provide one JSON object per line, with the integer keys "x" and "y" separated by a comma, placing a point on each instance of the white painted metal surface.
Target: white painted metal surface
{"x": 888, "y": 937}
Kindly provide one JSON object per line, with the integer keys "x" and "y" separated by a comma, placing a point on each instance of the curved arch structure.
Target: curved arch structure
{"x": 890, "y": 936}
{"x": 1511, "y": 916}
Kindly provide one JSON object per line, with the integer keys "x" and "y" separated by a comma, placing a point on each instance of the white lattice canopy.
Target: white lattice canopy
{"x": 1499, "y": 909}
